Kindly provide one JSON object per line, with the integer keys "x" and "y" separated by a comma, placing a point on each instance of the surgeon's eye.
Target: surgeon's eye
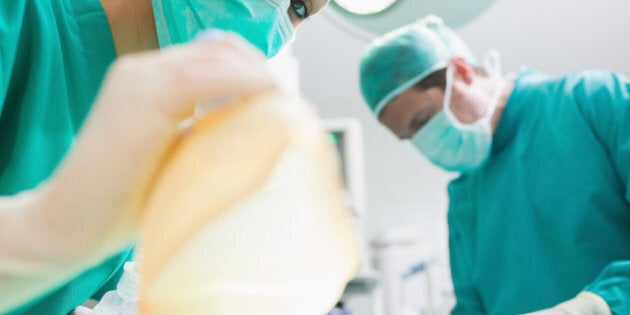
{"x": 416, "y": 125}
{"x": 420, "y": 119}
{"x": 300, "y": 8}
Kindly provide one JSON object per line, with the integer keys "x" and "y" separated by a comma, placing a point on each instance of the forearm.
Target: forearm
{"x": 90, "y": 207}
{"x": 29, "y": 261}
{"x": 87, "y": 211}
{"x": 100, "y": 187}
{"x": 21, "y": 235}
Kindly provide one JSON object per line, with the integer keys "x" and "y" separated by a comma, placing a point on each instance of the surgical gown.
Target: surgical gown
{"x": 549, "y": 214}
{"x": 53, "y": 56}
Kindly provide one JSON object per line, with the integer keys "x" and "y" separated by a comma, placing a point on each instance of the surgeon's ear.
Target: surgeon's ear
{"x": 463, "y": 68}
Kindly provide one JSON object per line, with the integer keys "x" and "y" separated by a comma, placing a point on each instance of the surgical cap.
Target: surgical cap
{"x": 398, "y": 60}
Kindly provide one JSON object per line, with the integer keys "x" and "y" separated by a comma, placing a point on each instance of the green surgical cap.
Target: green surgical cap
{"x": 398, "y": 60}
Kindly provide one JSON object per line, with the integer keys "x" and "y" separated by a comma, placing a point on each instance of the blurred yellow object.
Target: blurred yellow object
{"x": 248, "y": 217}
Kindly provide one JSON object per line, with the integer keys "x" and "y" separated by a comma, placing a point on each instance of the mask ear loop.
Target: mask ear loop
{"x": 448, "y": 93}
{"x": 492, "y": 65}
{"x": 431, "y": 20}
{"x": 494, "y": 102}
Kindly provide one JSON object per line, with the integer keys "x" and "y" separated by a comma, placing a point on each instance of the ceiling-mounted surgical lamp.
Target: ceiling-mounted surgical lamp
{"x": 370, "y": 18}
{"x": 364, "y": 6}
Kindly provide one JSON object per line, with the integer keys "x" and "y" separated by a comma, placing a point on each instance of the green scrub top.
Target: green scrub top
{"x": 53, "y": 56}
{"x": 549, "y": 215}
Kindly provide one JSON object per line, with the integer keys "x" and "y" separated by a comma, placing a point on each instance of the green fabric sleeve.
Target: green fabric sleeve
{"x": 10, "y": 19}
{"x": 461, "y": 249}
{"x": 606, "y": 102}
{"x": 613, "y": 285}
{"x": 467, "y": 301}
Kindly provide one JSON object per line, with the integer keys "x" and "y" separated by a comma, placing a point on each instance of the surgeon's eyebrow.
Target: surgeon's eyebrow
{"x": 319, "y": 7}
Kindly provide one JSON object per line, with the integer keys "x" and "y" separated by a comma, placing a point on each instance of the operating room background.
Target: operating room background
{"x": 403, "y": 189}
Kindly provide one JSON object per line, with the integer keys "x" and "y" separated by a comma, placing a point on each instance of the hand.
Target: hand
{"x": 586, "y": 303}
{"x": 100, "y": 187}
{"x": 89, "y": 208}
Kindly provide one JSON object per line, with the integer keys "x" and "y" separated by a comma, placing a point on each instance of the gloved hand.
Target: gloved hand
{"x": 586, "y": 303}
{"x": 89, "y": 208}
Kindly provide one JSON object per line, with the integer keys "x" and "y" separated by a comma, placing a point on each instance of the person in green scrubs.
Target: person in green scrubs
{"x": 539, "y": 217}
{"x": 76, "y": 143}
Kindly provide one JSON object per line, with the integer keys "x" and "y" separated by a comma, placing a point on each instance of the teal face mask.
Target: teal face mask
{"x": 264, "y": 23}
{"x": 453, "y": 145}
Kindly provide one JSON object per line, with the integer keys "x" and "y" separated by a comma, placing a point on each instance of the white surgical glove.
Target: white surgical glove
{"x": 81, "y": 310}
{"x": 586, "y": 303}
{"x": 90, "y": 207}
